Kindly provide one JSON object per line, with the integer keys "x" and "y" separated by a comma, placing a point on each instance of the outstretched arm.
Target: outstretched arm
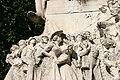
{"x": 108, "y": 63}
{"x": 62, "y": 59}
{"x": 84, "y": 51}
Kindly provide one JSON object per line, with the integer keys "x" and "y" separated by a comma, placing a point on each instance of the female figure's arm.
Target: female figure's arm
{"x": 63, "y": 58}
{"x": 84, "y": 51}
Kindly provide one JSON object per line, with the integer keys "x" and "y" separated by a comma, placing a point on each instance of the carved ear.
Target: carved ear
{"x": 35, "y": 18}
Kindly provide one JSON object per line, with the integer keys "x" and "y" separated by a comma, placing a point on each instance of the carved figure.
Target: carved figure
{"x": 106, "y": 26}
{"x": 72, "y": 39}
{"x": 11, "y": 57}
{"x": 28, "y": 58}
{"x": 52, "y": 71}
{"x": 40, "y": 58}
{"x": 114, "y": 6}
{"x": 40, "y": 47}
{"x": 80, "y": 48}
{"x": 64, "y": 61}
{"x": 86, "y": 56}
{"x": 113, "y": 66}
{"x": 16, "y": 62}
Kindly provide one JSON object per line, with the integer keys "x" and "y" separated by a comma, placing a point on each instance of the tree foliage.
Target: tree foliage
{"x": 14, "y": 25}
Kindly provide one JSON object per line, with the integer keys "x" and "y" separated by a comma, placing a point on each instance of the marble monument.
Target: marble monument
{"x": 81, "y": 41}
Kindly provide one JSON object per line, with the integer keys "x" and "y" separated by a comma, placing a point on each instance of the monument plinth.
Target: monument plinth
{"x": 72, "y": 16}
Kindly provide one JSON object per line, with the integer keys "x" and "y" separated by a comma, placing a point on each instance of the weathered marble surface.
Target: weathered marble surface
{"x": 81, "y": 41}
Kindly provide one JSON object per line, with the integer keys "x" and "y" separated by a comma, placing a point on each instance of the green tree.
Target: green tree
{"x": 14, "y": 25}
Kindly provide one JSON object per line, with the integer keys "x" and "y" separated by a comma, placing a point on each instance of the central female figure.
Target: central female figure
{"x": 59, "y": 64}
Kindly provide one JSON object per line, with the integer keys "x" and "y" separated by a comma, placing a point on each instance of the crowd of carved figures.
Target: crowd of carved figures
{"x": 83, "y": 56}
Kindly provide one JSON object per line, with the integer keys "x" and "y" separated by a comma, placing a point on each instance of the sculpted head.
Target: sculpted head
{"x": 72, "y": 38}
{"x": 57, "y": 36}
{"x": 103, "y": 9}
{"x": 86, "y": 35}
{"x": 106, "y": 54}
{"x": 58, "y": 39}
{"x": 31, "y": 41}
{"x": 22, "y": 43}
{"x": 70, "y": 48}
{"x": 79, "y": 37}
{"x": 44, "y": 39}
{"x": 114, "y": 6}
{"x": 14, "y": 47}
{"x": 108, "y": 43}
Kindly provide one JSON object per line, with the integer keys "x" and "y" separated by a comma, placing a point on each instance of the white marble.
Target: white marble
{"x": 80, "y": 42}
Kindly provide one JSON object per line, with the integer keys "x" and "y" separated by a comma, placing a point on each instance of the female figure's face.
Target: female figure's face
{"x": 59, "y": 39}
{"x": 45, "y": 40}
{"x": 32, "y": 41}
{"x": 79, "y": 38}
{"x": 55, "y": 38}
{"x": 22, "y": 43}
{"x": 72, "y": 38}
{"x": 87, "y": 35}
{"x": 70, "y": 48}
{"x": 14, "y": 47}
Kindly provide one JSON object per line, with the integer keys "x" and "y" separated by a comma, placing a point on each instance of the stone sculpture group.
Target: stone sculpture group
{"x": 60, "y": 56}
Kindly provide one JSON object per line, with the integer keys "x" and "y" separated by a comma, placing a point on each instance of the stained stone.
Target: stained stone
{"x": 80, "y": 42}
